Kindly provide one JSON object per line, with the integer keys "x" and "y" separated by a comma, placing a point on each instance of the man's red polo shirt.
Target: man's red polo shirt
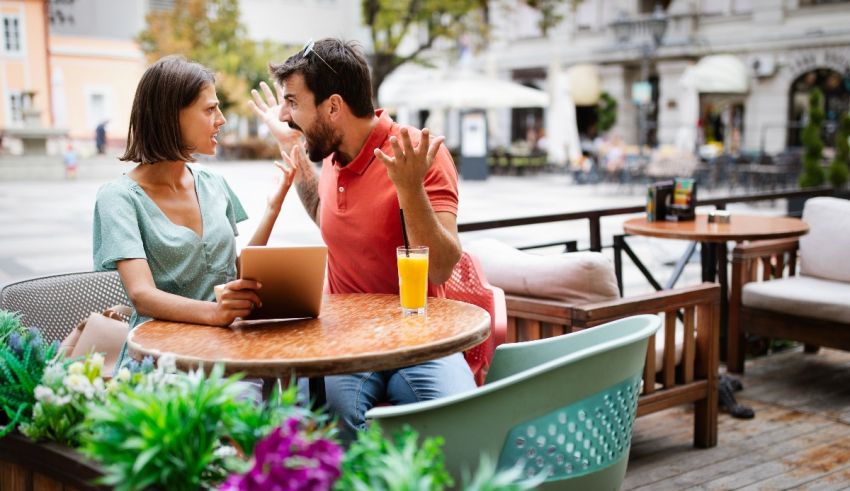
{"x": 359, "y": 213}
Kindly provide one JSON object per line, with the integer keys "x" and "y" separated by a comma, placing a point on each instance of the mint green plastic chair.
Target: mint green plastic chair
{"x": 562, "y": 405}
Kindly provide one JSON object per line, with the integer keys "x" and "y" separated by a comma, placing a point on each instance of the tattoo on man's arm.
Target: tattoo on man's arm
{"x": 308, "y": 191}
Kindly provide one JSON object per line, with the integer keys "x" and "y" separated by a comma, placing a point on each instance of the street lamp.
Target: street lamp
{"x": 624, "y": 29}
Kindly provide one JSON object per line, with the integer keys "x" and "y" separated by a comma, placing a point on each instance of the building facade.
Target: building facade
{"x": 756, "y": 62}
{"x": 76, "y": 63}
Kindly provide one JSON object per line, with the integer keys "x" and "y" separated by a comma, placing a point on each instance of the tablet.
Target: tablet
{"x": 293, "y": 279}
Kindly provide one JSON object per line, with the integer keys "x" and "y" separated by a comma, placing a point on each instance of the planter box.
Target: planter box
{"x": 29, "y": 466}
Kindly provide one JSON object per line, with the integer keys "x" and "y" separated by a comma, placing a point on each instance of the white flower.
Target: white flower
{"x": 96, "y": 360}
{"x": 76, "y": 368}
{"x": 167, "y": 363}
{"x": 123, "y": 375}
{"x": 80, "y": 384}
{"x": 45, "y": 394}
{"x": 225, "y": 451}
{"x": 112, "y": 385}
{"x": 53, "y": 374}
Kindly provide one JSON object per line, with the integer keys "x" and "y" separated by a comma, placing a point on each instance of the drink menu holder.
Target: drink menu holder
{"x": 683, "y": 207}
{"x": 672, "y": 200}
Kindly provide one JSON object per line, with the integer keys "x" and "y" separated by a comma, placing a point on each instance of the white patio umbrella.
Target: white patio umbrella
{"x": 686, "y": 135}
{"x": 562, "y": 139}
{"x": 457, "y": 90}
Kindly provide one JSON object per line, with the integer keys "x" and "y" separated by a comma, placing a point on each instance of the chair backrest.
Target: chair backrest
{"x": 562, "y": 405}
{"x": 56, "y": 304}
{"x": 828, "y": 239}
{"x": 468, "y": 284}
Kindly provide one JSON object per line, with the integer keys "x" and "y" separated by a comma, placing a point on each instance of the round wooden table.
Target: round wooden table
{"x": 714, "y": 237}
{"x": 354, "y": 333}
{"x": 740, "y": 228}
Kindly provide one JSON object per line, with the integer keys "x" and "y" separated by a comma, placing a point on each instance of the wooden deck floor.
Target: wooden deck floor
{"x": 799, "y": 439}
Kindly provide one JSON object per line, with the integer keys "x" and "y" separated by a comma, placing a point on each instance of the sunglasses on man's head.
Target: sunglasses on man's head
{"x": 308, "y": 48}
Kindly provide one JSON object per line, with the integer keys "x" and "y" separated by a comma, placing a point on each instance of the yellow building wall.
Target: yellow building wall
{"x": 82, "y": 67}
{"x": 27, "y": 70}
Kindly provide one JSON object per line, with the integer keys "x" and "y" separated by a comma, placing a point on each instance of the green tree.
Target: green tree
{"x": 209, "y": 32}
{"x": 391, "y": 22}
{"x": 838, "y": 171}
{"x": 813, "y": 174}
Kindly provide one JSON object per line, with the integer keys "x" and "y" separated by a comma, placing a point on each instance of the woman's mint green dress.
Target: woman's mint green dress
{"x": 129, "y": 225}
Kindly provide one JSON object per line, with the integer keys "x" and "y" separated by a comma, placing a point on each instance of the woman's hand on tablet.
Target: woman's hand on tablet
{"x": 235, "y": 299}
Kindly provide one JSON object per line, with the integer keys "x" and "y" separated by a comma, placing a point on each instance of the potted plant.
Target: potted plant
{"x": 812, "y": 174}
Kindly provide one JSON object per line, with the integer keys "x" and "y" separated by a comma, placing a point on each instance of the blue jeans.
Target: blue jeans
{"x": 350, "y": 396}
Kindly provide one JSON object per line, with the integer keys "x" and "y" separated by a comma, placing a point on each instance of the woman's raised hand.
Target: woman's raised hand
{"x": 289, "y": 171}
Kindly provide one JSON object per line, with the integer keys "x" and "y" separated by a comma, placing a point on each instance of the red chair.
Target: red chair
{"x": 468, "y": 284}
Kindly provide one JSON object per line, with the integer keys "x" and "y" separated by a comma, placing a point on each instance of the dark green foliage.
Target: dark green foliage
{"x": 606, "y": 112}
{"x": 838, "y": 170}
{"x": 10, "y": 322}
{"x": 22, "y": 361}
{"x": 813, "y": 174}
{"x": 397, "y": 463}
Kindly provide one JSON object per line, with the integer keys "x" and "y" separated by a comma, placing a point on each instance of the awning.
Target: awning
{"x": 585, "y": 84}
{"x": 721, "y": 74}
{"x": 458, "y": 90}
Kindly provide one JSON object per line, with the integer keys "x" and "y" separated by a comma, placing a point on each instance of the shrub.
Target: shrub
{"x": 813, "y": 174}
{"x": 23, "y": 357}
{"x": 166, "y": 433}
{"x": 606, "y": 112}
{"x": 66, "y": 388}
{"x": 375, "y": 463}
{"x": 838, "y": 170}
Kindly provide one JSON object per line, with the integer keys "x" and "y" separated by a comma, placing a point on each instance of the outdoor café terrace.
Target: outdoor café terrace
{"x": 683, "y": 435}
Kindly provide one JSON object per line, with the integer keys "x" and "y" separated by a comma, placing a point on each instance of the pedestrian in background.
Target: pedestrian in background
{"x": 100, "y": 137}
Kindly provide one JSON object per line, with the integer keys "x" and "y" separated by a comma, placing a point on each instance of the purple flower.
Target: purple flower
{"x": 284, "y": 460}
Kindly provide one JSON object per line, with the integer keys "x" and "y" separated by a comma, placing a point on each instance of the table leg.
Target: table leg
{"x": 721, "y": 252}
{"x": 708, "y": 261}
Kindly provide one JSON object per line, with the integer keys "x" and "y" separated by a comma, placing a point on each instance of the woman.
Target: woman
{"x": 168, "y": 226}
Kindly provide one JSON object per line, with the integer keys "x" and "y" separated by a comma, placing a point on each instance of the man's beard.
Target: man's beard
{"x": 321, "y": 141}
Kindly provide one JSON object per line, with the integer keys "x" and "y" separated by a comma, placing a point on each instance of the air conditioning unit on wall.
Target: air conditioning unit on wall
{"x": 763, "y": 65}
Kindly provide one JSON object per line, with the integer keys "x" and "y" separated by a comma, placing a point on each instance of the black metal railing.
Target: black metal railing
{"x": 594, "y": 216}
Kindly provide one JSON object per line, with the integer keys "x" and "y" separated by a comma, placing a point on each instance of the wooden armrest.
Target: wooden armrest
{"x": 538, "y": 308}
{"x": 761, "y": 248}
{"x": 662, "y": 301}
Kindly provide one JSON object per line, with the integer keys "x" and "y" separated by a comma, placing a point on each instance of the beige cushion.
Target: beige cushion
{"x": 801, "y": 295}
{"x": 577, "y": 277}
{"x": 824, "y": 249}
{"x": 101, "y": 334}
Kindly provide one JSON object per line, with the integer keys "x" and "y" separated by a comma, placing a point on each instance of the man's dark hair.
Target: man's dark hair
{"x": 167, "y": 86}
{"x": 332, "y": 67}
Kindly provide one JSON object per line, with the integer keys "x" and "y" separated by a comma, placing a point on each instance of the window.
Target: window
{"x": 11, "y": 34}
{"x": 16, "y": 108}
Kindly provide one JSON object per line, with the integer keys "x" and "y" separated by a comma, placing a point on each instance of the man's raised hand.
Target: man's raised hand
{"x": 407, "y": 165}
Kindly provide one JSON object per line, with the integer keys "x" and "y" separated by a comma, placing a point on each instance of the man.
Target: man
{"x": 371, "y": 167}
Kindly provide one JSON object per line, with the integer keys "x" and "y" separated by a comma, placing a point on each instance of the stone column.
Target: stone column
{"x": 669, "y": 73}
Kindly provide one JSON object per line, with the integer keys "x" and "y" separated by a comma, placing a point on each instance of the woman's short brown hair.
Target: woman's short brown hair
{"x": 167, "y": 86}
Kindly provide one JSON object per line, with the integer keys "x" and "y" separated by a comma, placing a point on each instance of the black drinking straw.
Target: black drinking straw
{"x": 404, "y": 233}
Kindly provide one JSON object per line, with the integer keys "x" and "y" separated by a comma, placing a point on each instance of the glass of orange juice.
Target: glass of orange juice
{"x": 413, "y": 278}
